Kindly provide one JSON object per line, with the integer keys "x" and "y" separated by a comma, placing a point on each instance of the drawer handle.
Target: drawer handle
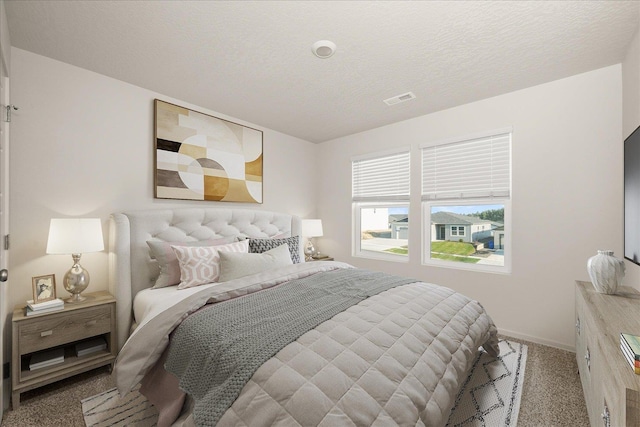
{"x": 46, "y": 333}
{"x": 587, "y": 357}
{"x": 606, "y": 417}
{"x": 91, "y": 323}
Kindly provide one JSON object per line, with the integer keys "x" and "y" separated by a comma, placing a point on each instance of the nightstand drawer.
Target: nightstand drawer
{"x": 62, "y": 328}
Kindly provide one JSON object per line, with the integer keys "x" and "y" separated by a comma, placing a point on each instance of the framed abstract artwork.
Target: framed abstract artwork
{"x": 202, "y": 157}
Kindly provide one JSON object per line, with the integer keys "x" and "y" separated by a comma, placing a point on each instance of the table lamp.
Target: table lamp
{"x": 75, "y": 236}
{"x": 311, "y": 228}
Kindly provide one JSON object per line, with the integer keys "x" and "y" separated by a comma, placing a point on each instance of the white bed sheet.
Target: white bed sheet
{"x": 162, "y": 298}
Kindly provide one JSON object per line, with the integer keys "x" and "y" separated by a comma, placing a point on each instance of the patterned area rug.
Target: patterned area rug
{"x": 107, "y": 409}
{"x": 489, "y": 397}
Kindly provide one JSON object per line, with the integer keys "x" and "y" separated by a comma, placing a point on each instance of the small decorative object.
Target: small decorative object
{"x": 44, "y": 288}
{"x": 75, "y": 236}
{"x": 606, "y": 272}
{"x": 311, "y": 228}
{"x": 201, "y": 157}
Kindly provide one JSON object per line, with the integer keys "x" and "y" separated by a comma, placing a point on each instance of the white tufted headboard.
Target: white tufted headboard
{"x": 131, "y": 269}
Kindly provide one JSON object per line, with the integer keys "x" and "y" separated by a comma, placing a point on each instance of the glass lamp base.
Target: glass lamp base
{"x": 76, "y": 298}
{"x": 75, "y": 281}
{"x": 309, "y": 251}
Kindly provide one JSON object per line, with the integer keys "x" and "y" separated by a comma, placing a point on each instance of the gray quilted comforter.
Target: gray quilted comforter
{"x": 396, "y": 358}
{"x": 215, "y": 351}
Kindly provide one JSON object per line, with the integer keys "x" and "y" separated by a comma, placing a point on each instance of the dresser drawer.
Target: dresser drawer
{"x": 62, "y": 328}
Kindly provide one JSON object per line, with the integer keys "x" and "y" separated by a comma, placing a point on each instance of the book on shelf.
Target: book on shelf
{"x": 630, "y": 347}
{"x": 37, "y": 306}
{"x": 46, "y": 358}
{"x": 635, "y": 363}
{"x": 45, "y": 364}
{"x": 632, "y": 342}
{"x": 90, "y": 346}
{"x": 31, "y": 312}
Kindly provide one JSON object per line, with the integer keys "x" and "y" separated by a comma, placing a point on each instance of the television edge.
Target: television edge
{"x": 632, "y": 197}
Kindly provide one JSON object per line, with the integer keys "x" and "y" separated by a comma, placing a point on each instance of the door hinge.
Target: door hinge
{"x": 8, "y": 116}
{"x": 6, "y": 242}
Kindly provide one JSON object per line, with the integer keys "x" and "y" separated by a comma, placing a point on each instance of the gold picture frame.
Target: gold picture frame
{"x": 202, "y": 157}
{"x": 44, "y": 288}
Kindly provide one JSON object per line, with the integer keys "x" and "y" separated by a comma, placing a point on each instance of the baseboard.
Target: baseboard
{"x": 537, "y": 340}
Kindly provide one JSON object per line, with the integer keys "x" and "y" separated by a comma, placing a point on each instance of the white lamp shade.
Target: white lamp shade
{"x": 75, "y": 236}
{"x": 311, "y": 227}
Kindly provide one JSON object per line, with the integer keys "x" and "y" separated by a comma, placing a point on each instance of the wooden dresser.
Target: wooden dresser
{"x": 611, "y": 389}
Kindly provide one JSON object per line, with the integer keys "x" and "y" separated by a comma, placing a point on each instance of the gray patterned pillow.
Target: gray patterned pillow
{"x": 258, "y": 246}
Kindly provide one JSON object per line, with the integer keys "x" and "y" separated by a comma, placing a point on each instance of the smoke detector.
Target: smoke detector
{"x": 399, "y": 98}
{"x": 323, "y": 48}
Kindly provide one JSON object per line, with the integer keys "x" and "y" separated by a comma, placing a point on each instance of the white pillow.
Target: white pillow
{"x": 201, "y": 264}
{"x": 235, "y": 265}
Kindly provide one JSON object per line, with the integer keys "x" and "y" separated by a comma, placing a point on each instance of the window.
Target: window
{"x": 380, "y": 194}
{"x": 466, "y": 197}
{"x": 457, "y": 231}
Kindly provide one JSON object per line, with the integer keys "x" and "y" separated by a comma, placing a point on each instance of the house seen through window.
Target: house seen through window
{"x": 384, "y": 230}
{"x": 472, "y": 234}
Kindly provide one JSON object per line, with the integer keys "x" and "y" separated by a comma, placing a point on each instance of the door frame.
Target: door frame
{"x": 5, "y": 339}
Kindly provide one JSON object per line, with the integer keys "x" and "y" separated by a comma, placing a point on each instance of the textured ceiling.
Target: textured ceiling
{"x": 253, "y": 60}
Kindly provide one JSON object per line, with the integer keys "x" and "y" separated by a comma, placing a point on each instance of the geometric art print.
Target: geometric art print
{"x": 201, "y": 157}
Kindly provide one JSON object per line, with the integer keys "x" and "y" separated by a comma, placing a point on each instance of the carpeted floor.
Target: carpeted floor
{"x": 552, "y": 394}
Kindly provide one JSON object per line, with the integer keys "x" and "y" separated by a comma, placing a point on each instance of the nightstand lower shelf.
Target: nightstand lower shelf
{"x": 328, "y": 258}
{"x": 66, "y": 369}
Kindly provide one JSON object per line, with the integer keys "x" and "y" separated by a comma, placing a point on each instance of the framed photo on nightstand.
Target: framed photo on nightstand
{"x": 44, "y": 288}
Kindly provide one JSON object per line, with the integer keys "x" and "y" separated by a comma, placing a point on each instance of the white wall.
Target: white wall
{"x": 566, "y": 204}
{"x": 82, "y": 145}
{"x": 630, "y": 121}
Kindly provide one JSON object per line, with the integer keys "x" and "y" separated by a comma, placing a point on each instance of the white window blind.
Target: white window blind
{"x": 381, "y": 177}
{"x": 470, "y": 169}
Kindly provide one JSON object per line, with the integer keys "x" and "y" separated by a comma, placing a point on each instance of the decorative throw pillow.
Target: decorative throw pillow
{"x": 277, "y": 236}
{"x": 258, "y": 246}
{"x": 201, "y": 264}
{"x": 167, "y": 261}
{"x": 235, "y": 265}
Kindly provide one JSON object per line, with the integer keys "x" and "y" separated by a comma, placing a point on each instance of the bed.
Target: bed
{"x": 275, "y": 340}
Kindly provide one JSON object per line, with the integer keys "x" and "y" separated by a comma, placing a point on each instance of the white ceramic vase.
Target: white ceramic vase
{"x": 606, "y": 272}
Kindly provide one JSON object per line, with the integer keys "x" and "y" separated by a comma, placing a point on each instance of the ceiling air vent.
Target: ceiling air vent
{"x": 400, "y": 98}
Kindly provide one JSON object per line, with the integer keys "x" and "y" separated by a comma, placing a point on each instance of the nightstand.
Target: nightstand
{"x": 63, "y": 329}
{"x": 322, "y": 259}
